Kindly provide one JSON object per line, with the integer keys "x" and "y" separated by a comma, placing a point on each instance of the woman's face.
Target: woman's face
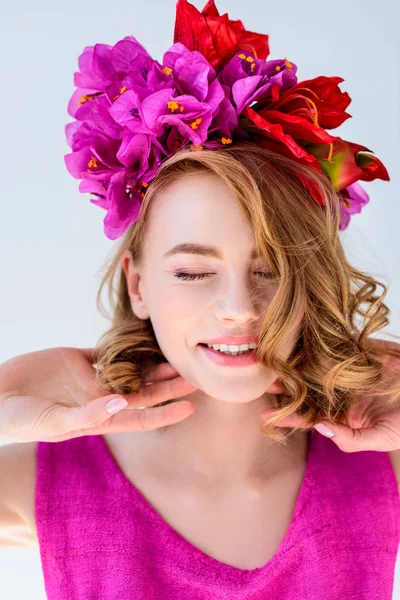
{"x": 230, "y": 296}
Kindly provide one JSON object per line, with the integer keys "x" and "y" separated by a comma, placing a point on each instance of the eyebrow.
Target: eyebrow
{"x": 203, "y": 250}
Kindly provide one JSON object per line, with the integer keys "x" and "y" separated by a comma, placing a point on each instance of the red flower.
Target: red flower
{"x": 215, "y": 36}
{"x": 294, "y": 122}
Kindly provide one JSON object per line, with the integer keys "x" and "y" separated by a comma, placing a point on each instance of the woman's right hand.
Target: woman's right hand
{"x": 51, "y": 395}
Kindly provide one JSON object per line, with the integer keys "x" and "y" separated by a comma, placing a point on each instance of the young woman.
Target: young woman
{"x": 233, "y": 296}
{"x": 202, "y": 502}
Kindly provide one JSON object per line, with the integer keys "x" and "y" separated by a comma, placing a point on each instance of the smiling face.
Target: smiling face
{"x": 219, "y": 296}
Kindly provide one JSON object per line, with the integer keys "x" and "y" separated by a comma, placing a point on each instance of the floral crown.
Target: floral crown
{"x": 214, "y": 87}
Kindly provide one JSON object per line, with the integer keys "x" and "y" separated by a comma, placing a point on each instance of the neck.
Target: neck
{"x": 221, "y": 441}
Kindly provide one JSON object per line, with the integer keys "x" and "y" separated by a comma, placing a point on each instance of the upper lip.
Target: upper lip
{"x": 231, "y": 340}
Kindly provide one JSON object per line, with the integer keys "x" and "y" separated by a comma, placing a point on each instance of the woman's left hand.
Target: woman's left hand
{"x": 372, "y": 424}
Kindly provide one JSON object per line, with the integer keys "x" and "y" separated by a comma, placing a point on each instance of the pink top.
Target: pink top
{"x": 101, "y": 539}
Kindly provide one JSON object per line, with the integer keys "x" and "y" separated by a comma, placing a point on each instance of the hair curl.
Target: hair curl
{"x": 333, "y": 364}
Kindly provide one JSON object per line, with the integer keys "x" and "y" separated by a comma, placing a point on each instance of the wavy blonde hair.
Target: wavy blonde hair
{"x": 333, "y": 364}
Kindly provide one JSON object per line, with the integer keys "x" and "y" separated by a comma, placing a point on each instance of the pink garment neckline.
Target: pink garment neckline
{"x": 289, "y": 541}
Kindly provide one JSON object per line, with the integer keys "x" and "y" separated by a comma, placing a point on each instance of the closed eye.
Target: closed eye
{"x": 193, "y": 276}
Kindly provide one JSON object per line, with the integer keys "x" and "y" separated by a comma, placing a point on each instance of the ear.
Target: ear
{"x": 134, "y": 283}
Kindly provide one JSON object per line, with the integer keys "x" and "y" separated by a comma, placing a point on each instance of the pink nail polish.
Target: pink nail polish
{"x": 324, "y": 430}
{"x": 116, "y": 404}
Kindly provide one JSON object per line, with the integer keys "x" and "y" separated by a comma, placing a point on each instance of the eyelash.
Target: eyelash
{"x": 193, "y": 276}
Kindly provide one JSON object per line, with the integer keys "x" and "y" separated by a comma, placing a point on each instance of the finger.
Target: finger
{"x": 161, "y": 374}
{"x": 147, "y": 419}
{"x": 60, "y": 420}
{"x": 131, "y": 420}
{"x": 159, "y": 392}
{"x": 379, "y": 438}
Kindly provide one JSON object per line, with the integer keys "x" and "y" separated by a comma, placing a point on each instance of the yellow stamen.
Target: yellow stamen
{"x": 167, "y": 70}
{"x": 140, "y": 191}
{"x": 144, "y": 184}
{"x": 252, "y": 49}
{"x": 88, "y": 97}
{"x": 330, "y": 153}
{"x": 249, "y": 59}
{"x": 308, "y": 90}
{"x": 288, "y": 64}
{"x": 84, "y": 99}
{"x": 314, "y": 106}
{"x": 93, "y": 163}
{"x": 173, "y": 106}
{"x": 121, "y": 91}
{"x": 193, "y": 147}
{"x": 225, "y": 140}
{"x": 277, "y": 68}
{"x": 309, "y": 102}
{"x": 196, "y": 123}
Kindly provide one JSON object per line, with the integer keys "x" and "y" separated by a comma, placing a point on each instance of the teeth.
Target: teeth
{"x": 233, "y": 349}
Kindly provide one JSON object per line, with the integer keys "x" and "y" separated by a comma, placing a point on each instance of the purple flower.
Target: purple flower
{"x": 131, "y": 113}
{"x": 126, "y": 63}
{"x": 352, "y": 200}
{"x": 191, "y": 72}
{"x": 121, "y": 193}
{"x": 252, "y": 79}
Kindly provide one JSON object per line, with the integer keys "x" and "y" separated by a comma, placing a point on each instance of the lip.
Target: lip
{"x": 231, "y": 340}
{"x": 240, "y": 360}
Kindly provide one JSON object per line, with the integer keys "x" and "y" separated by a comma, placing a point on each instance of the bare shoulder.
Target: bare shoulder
{"x": 395, "y": 458}
{"x": 18, "y": 481}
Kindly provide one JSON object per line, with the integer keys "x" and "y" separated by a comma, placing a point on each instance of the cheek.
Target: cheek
{"x": 182, "y": 301}
{"x": 172, "y": 312}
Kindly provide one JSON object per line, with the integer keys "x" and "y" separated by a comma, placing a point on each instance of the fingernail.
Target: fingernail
{"x": 324, "y": 430}
{"x": 116, "y": 404}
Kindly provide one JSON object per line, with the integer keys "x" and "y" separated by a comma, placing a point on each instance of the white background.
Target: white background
{"x": 52, "y": 243}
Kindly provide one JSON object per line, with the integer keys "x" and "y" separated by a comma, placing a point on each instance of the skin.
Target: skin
{"x": 223, "y": 434}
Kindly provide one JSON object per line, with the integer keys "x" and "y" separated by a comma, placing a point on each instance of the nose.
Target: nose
{"x": 237, "y": 303}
